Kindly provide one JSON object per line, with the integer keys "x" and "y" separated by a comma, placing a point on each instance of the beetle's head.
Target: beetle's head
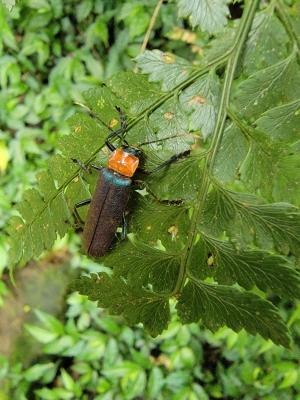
{"x": 135, "y": 151}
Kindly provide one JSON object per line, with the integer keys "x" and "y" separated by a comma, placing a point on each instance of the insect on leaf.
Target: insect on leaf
{"x": 219, "y": 222}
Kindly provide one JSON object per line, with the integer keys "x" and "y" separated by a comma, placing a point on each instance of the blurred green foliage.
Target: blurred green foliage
{"x": 92, "y": 355}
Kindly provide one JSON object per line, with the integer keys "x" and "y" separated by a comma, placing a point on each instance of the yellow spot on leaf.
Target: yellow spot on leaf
{"x": 173, "y": 230}
{"x": 184, "y": 72}
{"x": 19, "y": 227}
{"x": 77, "y": 129}
{"x": 76, "y": 179}
{"x": 113, "y": 123}
{"x": 210, "y": 261}
{"x": 197, "y": 100}
{"x": 169, "y": 115}
{"x": 4, "y": 157}
{"x": 168, "y": 58}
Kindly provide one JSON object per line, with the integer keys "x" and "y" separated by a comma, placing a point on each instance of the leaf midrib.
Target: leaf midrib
{"x": 240, "y": 39}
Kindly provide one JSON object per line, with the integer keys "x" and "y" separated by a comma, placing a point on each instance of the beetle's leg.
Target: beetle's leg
{"x": 119, "y": 132}
{"x": 78, "y": 205}
{"x": 81, "y": 164}
{"x": 110, "y": 145}
{"x": 122, "y": 117}
{"x": 96, "y": 167}
{"x": 124, "y": 227}
{"x": 85, "y": 167}
{"x": 138, "y": 183}
{"x": 168, "y": 162}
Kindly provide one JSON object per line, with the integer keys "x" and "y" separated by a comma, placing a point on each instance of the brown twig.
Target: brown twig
{"x": 150, "y": 27}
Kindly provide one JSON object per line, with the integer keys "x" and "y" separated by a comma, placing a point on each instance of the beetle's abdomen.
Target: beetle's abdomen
{"x": 105, "y": 212}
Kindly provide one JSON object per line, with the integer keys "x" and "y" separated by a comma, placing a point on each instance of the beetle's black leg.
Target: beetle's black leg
{"x": 110, "y": 145}
{"x": 137, "y": 184}
{"x": 119, "y": 132}
{"x": 124, "y": 227}
{"x": 81, "y": 164}
{"x": 122, "y": 118}
{"x": 96, "y": 167}
{"x": 168, "y": 162}
{"x": 78, "y": 205}
{"x": 85, "y": 167}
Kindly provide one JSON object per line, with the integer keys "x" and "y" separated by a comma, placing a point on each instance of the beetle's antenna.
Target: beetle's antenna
{"x": 163, "y": 139}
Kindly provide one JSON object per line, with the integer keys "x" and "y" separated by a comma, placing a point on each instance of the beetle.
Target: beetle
{"x": 113, "y": 187}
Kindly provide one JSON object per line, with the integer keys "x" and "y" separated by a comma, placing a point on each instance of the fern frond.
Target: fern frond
{"x": 217, "y": 241}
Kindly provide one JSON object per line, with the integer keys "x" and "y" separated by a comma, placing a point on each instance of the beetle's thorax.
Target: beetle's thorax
{"x": 123, "y": 161}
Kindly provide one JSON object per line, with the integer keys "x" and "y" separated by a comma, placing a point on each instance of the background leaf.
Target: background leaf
{"x": 209, "y": 15}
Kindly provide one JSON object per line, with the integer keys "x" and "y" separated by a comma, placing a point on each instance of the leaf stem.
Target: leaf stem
{"x": 240, "y": 39}
{"x": 150, "y": 27}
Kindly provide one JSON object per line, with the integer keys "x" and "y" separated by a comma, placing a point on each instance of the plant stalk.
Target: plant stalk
{"x": 240, "y": 40}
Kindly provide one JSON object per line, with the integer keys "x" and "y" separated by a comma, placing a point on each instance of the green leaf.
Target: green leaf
{"x": 135, "y": 90}
{"x": 54, "y": 394}
{"x": 268, "y": 88}
{"x": 84, "y": 9}
{"x": 231, "y": 154}
{"x": 283, "y": 177}
{"x": 67, "y": 380}
{"x": 97, "y": 30}
{"x": 155, "y": 382}
{"x": 46, "y": 394}
{"x": 9, "y": 4}
{"x": 153, "y": 221}
{"x": 267, "y": 43}
{"x": 290, "y": 379}
{"x": 228, "y": 265}
{"x": 209, "y": 15}
{"x": 42, "y": 335}
{"x": 135, "y": 17}
{"x": 218, "y": 305}
{"x": 50, "y": 322}
{"x": 38, "y": 371}
{"x": 135, "y": 304}
{"x": 223, "y": 134}
{"x": 144, "y": 266}
{"x": 201, "y": 101}
{"x": 164, "y": 67}
{"x": 249, "y": 220}
{"x": 133, "y": 383}
{"x": 179, "y": 181}
{"x": 281, "y": 123}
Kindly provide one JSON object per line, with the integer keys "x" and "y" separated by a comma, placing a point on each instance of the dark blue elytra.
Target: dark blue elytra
{"x": 105, "y": 212}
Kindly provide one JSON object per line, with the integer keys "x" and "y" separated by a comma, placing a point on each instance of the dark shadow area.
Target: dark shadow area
{"x": 236, "y": 10}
